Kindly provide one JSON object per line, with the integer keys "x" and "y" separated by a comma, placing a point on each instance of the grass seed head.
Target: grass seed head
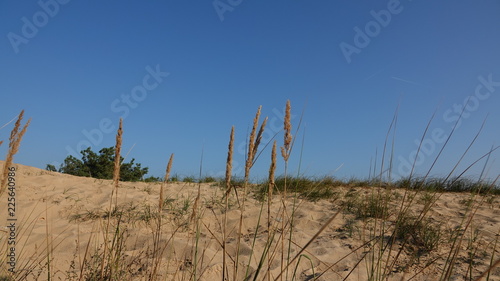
{"x": 14, "y": 143}
{"x": 116, "y": 171}
{"x": 229, "y": 162}
{"x": 272, "y": 169}
{"x": 259, "y": 138}
{"x": 169, "y": 167}
{"x": 251, "y": 143}
{"x": 287, "y": 143}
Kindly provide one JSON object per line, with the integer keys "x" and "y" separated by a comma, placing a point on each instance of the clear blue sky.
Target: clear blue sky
{"x": 73, "y": 65}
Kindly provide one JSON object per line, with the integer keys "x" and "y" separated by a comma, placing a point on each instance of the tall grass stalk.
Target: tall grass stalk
{"x": 116, "y": 179}
{"x": 195, "y": 218}
{"x": 270, "y": 188}
{"x": 229, "y": 168}
{"x": 157, "y": 234}
{"x": 285, "y": 153}
{"x": 116, "y": 170}
{"x": 253, "y": 146}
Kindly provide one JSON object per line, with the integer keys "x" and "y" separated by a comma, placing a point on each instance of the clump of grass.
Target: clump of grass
{"x": 179, "y": 211}
{"x": 117, "y": 264}
{"x": 189, "y": 179}
{"x": 365, "y": 206}
{"x": 175, "y": 178}
{"x": 451, "y": 184}
{"x": 306, "y": 187}
{"x": 422, "y": 236}
{"x": 209, "y": 179}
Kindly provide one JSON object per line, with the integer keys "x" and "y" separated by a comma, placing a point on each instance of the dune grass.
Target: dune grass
{"x": 391, "y": 225}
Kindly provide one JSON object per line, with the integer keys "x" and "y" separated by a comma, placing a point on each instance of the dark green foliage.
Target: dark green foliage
{"x": 209, "y": 179}
{"x": 153, "y": 179}
{"x": 74, "y": 166}
{"x": 101, "y": 166}
{"x": 189, "y": 179}
{"x": 174, "y": 178}
{"x": 51, "y": 168}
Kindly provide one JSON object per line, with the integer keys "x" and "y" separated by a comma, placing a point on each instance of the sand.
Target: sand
{"x": 61, "y": 219}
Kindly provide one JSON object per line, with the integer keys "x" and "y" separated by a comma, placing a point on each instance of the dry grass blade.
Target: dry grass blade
{"x": 6, "y": 124}
{"x": 488, "y": 270}
{"x": 309, "y": 243}
{"x": 455, "y": 126}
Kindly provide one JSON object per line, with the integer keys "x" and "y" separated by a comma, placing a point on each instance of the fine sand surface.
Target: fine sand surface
{"x": 66, "y": 214}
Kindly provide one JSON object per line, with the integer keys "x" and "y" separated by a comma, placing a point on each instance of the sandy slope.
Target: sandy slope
{"x": 66, "y": 212}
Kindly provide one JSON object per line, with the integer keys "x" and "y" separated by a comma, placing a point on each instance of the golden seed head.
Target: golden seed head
{"x": 14, "y": 131}
{"x": 14, "y": 143}
{"x": 286, "y": 148}
{"x": 116, "y": 171}
{"x": 169, "y": 167}
{"x": 229, "y": 162}
{"x": 251, "y": 143}
{"x": 272, "y": 169}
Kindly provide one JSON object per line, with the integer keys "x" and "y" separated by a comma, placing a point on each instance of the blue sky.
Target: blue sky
{"x": 181, "y": 73}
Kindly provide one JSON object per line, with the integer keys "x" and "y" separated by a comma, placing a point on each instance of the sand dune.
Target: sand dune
{"x": 67, "y": 213}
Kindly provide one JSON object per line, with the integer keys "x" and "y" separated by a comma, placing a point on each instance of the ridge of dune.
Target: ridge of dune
{"x": 67, "y": 211}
